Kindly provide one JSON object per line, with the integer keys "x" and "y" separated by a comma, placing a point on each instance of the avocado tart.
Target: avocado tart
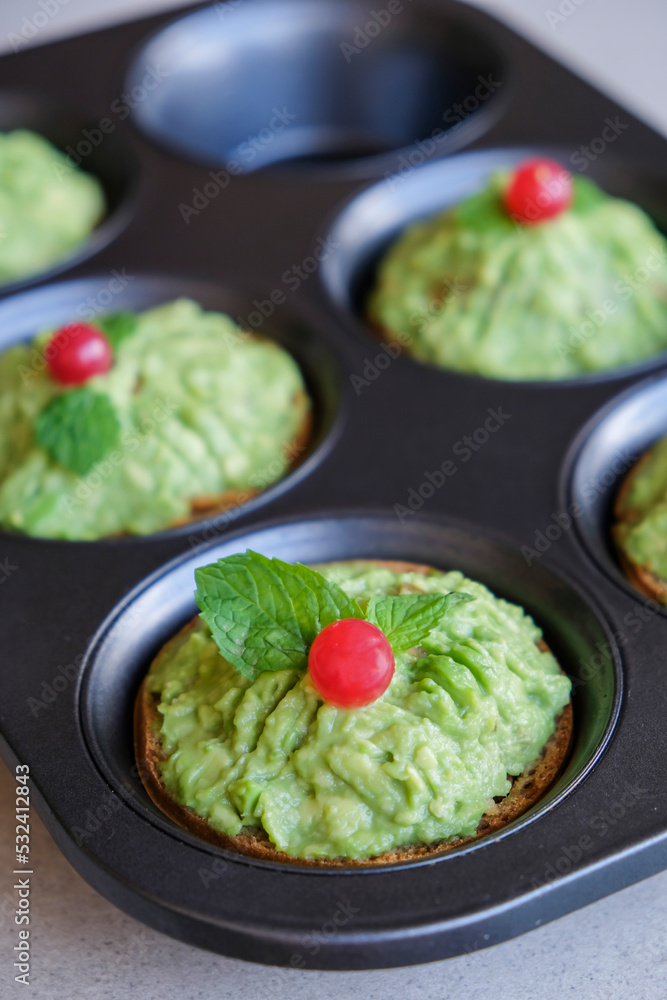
{"x": 640, "y": 523}
{"x": 539, "y": 275}
{"x": 318, "y": 784}
{"x": 138, "y": 422}
{"x": 48, "y": 206}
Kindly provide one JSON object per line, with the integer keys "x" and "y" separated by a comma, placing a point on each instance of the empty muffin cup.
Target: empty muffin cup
{"x": 342, "y": 85}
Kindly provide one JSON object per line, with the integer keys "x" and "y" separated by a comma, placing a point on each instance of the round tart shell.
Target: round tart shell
{"x": 526, "y": 789}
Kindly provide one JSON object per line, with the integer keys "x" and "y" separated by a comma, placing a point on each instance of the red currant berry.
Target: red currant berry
{"x": 538, "y": 190}
{"x": 77, "y": 352}
{"x": 351, "y": 663}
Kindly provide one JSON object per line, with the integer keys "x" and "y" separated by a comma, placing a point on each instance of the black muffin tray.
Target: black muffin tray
{"x": 258, "y": 156}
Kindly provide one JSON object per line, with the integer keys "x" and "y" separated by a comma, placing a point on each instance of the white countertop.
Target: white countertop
{"x": 83, "y": 947}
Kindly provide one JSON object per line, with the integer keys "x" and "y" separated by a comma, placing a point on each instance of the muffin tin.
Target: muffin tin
{"x": 289, "y": 249}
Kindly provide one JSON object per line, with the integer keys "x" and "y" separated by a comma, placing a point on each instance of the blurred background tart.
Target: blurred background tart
{"x": 540, "y": 275}
{"x": 139, "y": 422}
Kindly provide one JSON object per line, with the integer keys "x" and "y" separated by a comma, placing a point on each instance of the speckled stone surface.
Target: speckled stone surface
{"x": 83, "y": 948}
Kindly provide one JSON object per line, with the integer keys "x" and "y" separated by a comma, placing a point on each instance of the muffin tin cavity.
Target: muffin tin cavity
{"x": 317, "y": 83}
{"x": 23, "y": 316}
{"x": 107, "y": 155}
{"x": 602, "y": 456}
{"x": 154, "y": 612}
{"x": 371, "y": 222}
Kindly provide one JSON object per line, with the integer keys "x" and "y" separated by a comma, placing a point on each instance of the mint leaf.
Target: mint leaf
{"x": 77, "y": 429}
{"x": 117, "y": 327}
{"x": 333, "y": 603}
{"x": 587, "y": 195}
{"x": 406, "y": 620}
{"x": 264, "y": 613}
{"x": 483, "y": 209}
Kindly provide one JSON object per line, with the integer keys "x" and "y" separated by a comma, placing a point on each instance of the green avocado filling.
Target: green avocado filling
{"x": 642, "y": 534}
{"x": 473, "y": 291}
{"x": 47, "y": 205}
{"x": 191, "y": 408}
{"x": 476, "y": 700}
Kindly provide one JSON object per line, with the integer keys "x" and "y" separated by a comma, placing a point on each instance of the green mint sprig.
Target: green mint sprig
{"x": 78, "y": 428}
{"x": 264, "y": 614}
{"x": 117, "y": 327}
{"x": 407, "y": 619}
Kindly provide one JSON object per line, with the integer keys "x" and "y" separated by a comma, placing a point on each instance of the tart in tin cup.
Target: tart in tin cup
{"x": 48, "y": 206}
{"x": 188, "y": 415}
{"x": 527, "y": 279}
{"x": 640, "y": 523}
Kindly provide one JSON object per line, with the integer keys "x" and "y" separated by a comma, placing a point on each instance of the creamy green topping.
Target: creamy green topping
{"x": 474, "y": 291}
{"x": 473, "y": 703}
{"x": 643, "y": 533}
{"x": 47, "y": 206}
{"x": 203, "y": 409}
